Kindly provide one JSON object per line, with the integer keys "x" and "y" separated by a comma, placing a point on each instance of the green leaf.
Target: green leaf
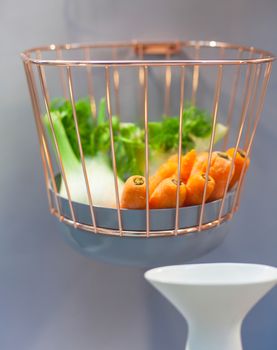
{"x": 85, "y": 122}
{"x": 69, "y": 159}
{"x": 101, "y": 118}
{"x": 129, "y": 138}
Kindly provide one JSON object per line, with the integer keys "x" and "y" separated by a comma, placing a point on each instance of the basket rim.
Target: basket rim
{"x": 212, "y": 221}
{"x": 266, "y": 56}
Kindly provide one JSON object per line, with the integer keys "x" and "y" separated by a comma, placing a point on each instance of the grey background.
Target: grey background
{"x": 52, "y": 298}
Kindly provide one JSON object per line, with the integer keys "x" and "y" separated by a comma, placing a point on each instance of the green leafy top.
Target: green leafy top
{"x": 129, "y": 138}
{"x": 164, "y": 135}
{"x": 85, "y": 122}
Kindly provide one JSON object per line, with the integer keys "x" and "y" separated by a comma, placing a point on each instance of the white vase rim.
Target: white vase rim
{"x": 213, "y": 274}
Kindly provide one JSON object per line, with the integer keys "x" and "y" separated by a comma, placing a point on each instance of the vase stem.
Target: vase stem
{"x": 213, "y": 336}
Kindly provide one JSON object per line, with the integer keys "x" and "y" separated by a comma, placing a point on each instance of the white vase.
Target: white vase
{"x": 214, "y": 299}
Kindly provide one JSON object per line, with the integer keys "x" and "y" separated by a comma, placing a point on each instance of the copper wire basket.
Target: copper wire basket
{"x": 141, "y": 82}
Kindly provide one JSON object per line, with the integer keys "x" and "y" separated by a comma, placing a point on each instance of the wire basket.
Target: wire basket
{"x": 142, "y": 83}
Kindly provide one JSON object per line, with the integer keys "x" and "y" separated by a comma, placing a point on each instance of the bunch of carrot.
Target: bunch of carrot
{"x": 163, "y": 185}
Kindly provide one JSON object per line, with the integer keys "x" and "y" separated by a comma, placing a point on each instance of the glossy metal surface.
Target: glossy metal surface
{"x": 161, "y": 221}
{"x": 147, "y": 48}
{"x": 153, "y": 251}
{"x": 251, "y": 69}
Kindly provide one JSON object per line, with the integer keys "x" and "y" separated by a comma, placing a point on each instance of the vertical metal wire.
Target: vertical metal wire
{"x": 143, "y": 82}
{"x": 215, "y": 112}
{"x": 90, "y": 83}
{"x": 195, "y": 77}
{"x": 116, "y": 83}
{"x": 39, "y": 56}
{"x": 61, "y": 70}
{"x": 42, "y": 137}
{"x": 254, "y": 99}
{"x": 246, "y": 98}
{"x": 167, "y": 87}
{"x": 49, "y": 166}
{"x": 246, "y": 86}
{"x": 232, "y": 100}
{"x": 146, "y": 149}
{"x": 89, "y": 194}
{"x": 141, "y": 79}
{"x": 250, "y": 76}
{"x": 108, "y": 98}
{"x": 182, "y": 87}
{"x": 249, "y": 148}
{"x": 60, "y": 162}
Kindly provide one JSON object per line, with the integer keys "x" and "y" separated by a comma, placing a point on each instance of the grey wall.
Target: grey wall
{"x": 52, "y": 298}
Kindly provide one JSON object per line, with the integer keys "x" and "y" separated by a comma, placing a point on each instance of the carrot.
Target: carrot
{"x": 170, "y": 168}
{"x": 219, "y": 171}
{"x": 166, "y": 170}
{"x": 195, "y": 188}
{"x": 187, "y": 163}
{"x": 134, "y": 193}
{"x": 164, "y": 196}
{"x": 199, "y": 163}
{"x": 239, "y": 164}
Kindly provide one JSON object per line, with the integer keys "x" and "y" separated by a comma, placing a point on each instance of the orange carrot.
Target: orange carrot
{"x": 166, "y": 170}
{"x": 164, "y": 196}
{"x": 134, "y": 193}
{"x": 199, "y": 163}
{"x": 170, "y": 168}
{"x": 187, "y": 163}
{"x": 195, "y": 188}
{"x": 239, "y": 164}
{"x": 219, "y": 171}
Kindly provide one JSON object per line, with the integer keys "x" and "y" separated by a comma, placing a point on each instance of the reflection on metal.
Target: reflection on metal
{"x": 251, "y": 71}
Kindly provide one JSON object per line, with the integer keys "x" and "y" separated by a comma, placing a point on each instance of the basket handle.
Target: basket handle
{"x": 163, "y": 49}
